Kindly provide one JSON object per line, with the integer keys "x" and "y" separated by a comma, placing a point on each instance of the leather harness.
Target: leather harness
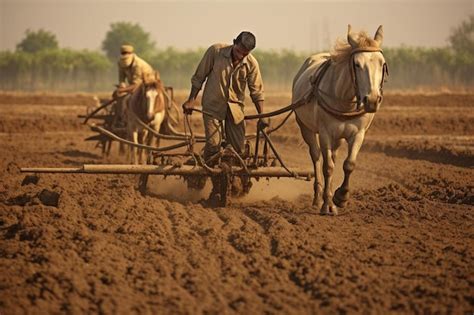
{"x": 318, "y": 93}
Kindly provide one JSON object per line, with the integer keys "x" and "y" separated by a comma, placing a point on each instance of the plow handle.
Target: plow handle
{"x": 95, "y": 111}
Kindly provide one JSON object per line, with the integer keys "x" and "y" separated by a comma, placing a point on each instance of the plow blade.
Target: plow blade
{"x": 97, "y": 138}
{"x": 167, "y": 170}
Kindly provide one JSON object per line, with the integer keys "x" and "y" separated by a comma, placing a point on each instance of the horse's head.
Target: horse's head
{"x": 368, "y": 68}
{"x": 154, "y": 97}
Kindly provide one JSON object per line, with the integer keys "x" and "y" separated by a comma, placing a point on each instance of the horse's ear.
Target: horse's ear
{"x": 350, "y": 39}
{"x": 379, "y": 35}
{"x": 159, "y": 84}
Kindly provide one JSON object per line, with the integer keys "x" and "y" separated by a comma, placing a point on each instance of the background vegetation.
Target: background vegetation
{"x": 38, "y": 63}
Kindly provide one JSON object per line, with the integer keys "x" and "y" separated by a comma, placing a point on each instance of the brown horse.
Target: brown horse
{"x": 147, "y": 104}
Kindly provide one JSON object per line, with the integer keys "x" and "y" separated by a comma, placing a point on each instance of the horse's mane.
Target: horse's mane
{"x": 157, "y": 84}
{"x": 342, "y": 50}
{"x": 153, "y": 80}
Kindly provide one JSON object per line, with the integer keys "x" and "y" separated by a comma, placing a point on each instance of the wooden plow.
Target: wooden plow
{"x": 232, "y": 171}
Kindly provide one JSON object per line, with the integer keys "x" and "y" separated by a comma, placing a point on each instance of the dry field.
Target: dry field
{"x": 404, "y": 243}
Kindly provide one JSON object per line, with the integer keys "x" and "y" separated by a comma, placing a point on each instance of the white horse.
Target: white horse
{"x": 342, "y": 93}
{"x": 147, "y": 104}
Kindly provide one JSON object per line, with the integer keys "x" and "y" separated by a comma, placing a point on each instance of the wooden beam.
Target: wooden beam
{"x": 167, "y": 170}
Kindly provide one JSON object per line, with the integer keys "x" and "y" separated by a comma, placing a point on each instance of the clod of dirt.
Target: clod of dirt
{"x": 20, "y": 200}
{"x": 13, "y": 168}
{"x": 30, "y": 179}
{"x": 49, "y": 198}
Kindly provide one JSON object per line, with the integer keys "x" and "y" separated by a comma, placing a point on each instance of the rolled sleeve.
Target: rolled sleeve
{"x": 137, "y": 76}
{"x": 121, "y": 75}
{"x": 204, "y": 68}
{"x": 255, "y": 83}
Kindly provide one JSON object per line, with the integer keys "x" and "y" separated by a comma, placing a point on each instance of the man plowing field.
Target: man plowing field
{"x": 229, "y": 159}
{"x": 228, "y": 69}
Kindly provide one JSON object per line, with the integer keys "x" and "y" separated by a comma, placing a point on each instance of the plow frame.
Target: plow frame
{"x": 225, "y": 167}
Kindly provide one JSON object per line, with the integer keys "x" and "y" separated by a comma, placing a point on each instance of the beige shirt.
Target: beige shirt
{"x": 225, "y": 84}
{"x": 136, "y": 72}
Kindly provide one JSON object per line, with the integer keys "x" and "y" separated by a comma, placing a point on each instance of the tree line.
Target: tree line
{"x": 38, "y": 63}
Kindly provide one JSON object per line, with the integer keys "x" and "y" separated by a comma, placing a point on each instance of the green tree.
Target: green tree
{"x": 121, "y": 33}
{"x": 462, "y": 44}
{"x": 462, "y": 37}
{"x": 37, "y": 41}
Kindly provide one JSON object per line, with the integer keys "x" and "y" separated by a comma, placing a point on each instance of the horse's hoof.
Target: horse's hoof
{"x": 317, "y": 203}
{"x": 338, "y": 202}
{"x": 340, "y": 197}
{"x": 328, "y": 210}
{"x": 333, "y": 211}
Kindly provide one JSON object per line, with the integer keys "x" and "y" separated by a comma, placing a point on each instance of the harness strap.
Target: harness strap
{"x": 279, "y": 111}
{"x": 353, "y": 70}
{"x": 317, "y": 92}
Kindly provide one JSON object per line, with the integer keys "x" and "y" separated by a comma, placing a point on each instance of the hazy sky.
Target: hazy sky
{"x": 300, "y": 25}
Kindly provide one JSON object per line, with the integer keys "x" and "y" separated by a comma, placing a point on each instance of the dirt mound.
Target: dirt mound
{"x": 448, "y": 153}
{"x": 429, "y": 100}
{"x": 434, "y": 122}
{"x": 43, "y": 123}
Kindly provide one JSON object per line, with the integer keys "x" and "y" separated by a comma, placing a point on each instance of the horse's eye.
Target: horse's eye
{"x": 357, "y": 65}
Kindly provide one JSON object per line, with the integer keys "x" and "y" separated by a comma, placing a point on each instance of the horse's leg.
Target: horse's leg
{"x": 342, "y": 193}
{"x": 159, "y": 118}
{"x": 141, "y": 139}
{"x": 153, "y": 141}
{"x": 336, "y": 146}
{"x": 147, "y": 138}
{"x": 149, "y": 141}
{"x": 121, "y": 148}
{"x": 156, "y": 125}
{"x": 315, "y": 152}
{"x": 108, "y": 146}
{"x": 157, "y": 142}
{"x": 143, "y": 178}
{"x": 134, "y": 148}
{"x": 328, "y": 168}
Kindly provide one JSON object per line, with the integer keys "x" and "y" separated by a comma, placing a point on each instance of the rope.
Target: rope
{"x": 142, "y": 146}
{"x": 285, "y": 109}
{"x": 270, "y": 131}
{"x": 160, "y": 135}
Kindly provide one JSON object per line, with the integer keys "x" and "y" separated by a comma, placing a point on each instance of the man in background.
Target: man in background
{"x": 133, "y": 70}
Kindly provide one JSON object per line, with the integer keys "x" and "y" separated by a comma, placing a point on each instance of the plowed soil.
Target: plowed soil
{"x": 403, "y": 244}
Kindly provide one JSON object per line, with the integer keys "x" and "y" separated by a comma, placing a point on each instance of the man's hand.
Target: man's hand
{"x": 188, "y": 107}
{"x": 115, "y": 94}
{"x": 259, "y": 106}
{"x": 263, "y": 123}
{"x": 190, "y": 103}
{"x": 122, "y": 91}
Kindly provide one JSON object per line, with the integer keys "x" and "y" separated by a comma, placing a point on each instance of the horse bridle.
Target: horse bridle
{"x": 352, "y": 70}
{"x": 316, "y": 91}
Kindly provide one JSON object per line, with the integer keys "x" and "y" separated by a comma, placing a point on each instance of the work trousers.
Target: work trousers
{"x": 234, "y": 134}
